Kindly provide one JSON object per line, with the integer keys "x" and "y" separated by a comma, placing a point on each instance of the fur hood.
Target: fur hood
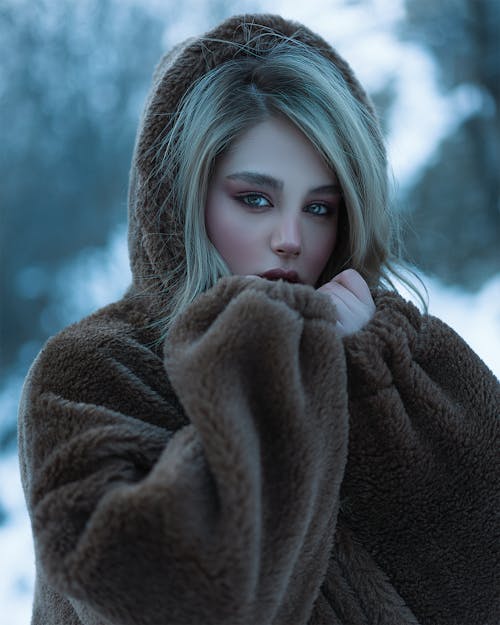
{"x": 152, "y": 255}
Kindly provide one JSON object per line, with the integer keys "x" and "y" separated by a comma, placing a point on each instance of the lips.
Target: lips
{"x": 280, "y": 274}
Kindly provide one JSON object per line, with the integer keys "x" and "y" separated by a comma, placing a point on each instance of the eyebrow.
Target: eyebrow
{"x": 253, "y": 177}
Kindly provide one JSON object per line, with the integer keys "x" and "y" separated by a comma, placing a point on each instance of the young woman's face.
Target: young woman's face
{"x": 273, "y": 204}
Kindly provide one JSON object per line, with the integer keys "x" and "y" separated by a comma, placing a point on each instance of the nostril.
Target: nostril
{"x": 288, "y": 250}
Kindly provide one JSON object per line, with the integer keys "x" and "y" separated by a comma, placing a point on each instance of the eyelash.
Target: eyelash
{"x": 245, "y": 196}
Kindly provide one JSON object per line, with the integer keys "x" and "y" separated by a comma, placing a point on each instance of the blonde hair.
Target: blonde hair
{"x": 295, "y": 82}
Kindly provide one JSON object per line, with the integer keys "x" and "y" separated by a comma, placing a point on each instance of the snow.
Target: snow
{"x": 474, "y": 316}
{"x": 94, "y": 278}
{"x": 17, "y": 563}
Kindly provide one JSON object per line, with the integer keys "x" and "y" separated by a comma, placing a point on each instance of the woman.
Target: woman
{"x": 258, "y": 433}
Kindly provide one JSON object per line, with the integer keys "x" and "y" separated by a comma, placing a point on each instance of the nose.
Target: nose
{"x": 286, "y": 239}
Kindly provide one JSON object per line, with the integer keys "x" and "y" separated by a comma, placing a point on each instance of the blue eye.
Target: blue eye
{"x": 254, "y": 200}
{"x": 319, "y": 209}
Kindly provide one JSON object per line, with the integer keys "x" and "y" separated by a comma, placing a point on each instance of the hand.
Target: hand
{"x": 353, "y": 301}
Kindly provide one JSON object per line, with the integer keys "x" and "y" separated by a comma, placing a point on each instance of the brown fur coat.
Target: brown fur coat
{"x": 254, "y": 468}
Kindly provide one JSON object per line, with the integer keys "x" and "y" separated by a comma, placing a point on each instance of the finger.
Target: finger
{"x": 342, "y": 306}
{"x": 343, "y": 312}
{"x": 354, "y": 282}
{"x": 345, "y": 295}
{"x": 351, "y": 311}
{"x": 347, "y": 321}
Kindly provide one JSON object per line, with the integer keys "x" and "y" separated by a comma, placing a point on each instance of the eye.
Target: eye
{"x": 254, "y": 200}
{"x": 319, "y": 209}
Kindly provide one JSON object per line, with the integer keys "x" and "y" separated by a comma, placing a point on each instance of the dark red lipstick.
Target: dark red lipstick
{"x": 280, "y": 274}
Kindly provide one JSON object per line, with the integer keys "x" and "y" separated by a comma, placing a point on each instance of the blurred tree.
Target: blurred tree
{"x": 455, "y": 205}
{"x": 72, "y": 81}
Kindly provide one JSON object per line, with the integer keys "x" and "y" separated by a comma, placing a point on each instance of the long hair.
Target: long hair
{"x": 295, "y": 82}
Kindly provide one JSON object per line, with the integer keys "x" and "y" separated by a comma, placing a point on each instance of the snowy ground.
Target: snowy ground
{"x": 16, "y": 568}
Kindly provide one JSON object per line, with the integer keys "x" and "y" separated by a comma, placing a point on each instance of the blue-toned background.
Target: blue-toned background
{"x": 73, "y": 77}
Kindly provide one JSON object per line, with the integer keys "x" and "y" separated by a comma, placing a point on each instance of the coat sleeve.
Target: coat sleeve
{"x": 421, "y": 488}
{"x": 227, "y": 519}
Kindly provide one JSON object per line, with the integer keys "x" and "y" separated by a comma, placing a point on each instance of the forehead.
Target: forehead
{"x": 275, "y": 147}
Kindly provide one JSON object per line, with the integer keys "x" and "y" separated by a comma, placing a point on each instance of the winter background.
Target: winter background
{"x": 73, "y": 78}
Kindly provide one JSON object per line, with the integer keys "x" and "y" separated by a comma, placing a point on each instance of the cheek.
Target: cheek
{"x": 322, "y": 244}
{"x": 232, "y": 235}
{"x": 328, "y": 246}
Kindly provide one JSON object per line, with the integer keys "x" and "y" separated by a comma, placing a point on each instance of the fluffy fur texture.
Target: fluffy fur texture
{"x": 255, "y": 469}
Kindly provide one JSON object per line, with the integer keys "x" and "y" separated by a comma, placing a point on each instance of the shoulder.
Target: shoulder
{"x": 434, "y": 343}
{"x": 101, "y": 359}
{"x": 398, "y": 321}
{"x": 402, "y": 343}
